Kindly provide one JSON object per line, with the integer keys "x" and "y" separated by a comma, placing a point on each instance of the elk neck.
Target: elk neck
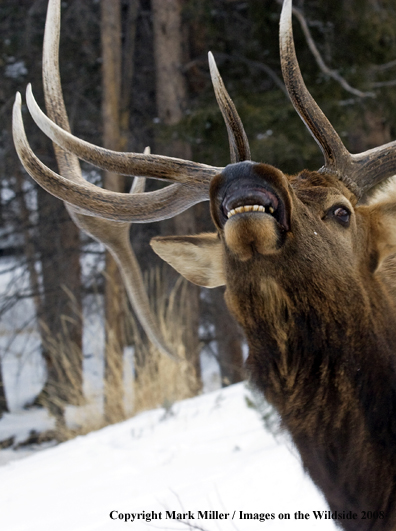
{"x": 329, "y": 370}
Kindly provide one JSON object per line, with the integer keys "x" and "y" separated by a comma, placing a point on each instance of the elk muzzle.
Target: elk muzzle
{"x": 251, "y": 207}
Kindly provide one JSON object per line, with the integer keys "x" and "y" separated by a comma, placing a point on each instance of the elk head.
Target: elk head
{"x": 307, "y": 264}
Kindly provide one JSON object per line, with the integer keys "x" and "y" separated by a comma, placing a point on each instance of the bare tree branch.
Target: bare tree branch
{"x": 380, "y": 84}
{"x": 385, "y": 66}
{"x": 325, "y": 69}
{"x": 258, "y": 65}
{"x": 265, "y": 68}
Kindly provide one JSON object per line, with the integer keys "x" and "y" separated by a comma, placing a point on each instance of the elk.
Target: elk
{"x": 308, "y": 261}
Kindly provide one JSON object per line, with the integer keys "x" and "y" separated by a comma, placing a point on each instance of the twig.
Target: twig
{"x": 253, "y": 64}
{"x": 385, "y": 66}
{"x": 258, "y": 65}
{"x": 265, "y": 68}
{"x": 380, "y": 84}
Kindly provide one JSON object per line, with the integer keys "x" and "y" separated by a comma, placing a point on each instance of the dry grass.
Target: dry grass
{"x": 159, "y": 381}
{"x": 64, "y": 384}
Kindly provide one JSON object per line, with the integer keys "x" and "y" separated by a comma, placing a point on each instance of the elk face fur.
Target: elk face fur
{"x": 308, "y": 261}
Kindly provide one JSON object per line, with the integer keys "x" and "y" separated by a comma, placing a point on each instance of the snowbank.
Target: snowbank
{"x": 209, "y": 453}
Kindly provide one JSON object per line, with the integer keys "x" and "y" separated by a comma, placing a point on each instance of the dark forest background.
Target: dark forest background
{"x": 150, "y": 57}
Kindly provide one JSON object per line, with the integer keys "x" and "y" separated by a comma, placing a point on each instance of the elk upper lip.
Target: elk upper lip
{"x": 255, "y": 199}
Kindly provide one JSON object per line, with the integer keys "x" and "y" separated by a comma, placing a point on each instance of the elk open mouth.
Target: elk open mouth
{"x": 249, "y": 190}
{"x": 253, "y": 200}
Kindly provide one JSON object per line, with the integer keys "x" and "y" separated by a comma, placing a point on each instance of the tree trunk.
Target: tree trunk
{"x": 60, "y": 318}
{"x": 127, "y": 68}
{"x": 171, "y": 98}
{"x": 114, "y": 291}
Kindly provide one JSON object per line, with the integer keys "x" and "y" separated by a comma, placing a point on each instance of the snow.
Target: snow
{"x": 15, "y": 69}
{"x": 209, "y": 453}
{"x": 20, "y": 424}
{"x": 23, "y": 371}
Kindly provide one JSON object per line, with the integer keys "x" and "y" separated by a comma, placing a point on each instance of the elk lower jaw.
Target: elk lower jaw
{"x": 249, "y": 232}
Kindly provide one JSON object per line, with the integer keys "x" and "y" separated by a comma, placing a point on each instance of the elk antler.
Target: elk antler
{"x": 359, "y": 172}
{"x": 155, "y": 166}
{"x": 95, "y": 201}
{"x": 159, "y": 204}
{"x": 71, "y": 187}
{"x": 82, "y": 198}
{"x": 103, "y": 214}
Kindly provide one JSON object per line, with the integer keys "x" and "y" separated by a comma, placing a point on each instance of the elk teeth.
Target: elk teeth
{"x": 249, "y": 208}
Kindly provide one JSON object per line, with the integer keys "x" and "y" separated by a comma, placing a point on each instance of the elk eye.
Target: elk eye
{"x": 342, "y": 215}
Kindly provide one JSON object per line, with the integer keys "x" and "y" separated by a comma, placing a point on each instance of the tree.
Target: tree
{"x": 171, "y": 100}
{"x": 115, "y": 302}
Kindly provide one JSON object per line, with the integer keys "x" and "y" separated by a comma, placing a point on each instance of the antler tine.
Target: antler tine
{"x": 71, "y": 187}
{"x": 68, "y": 164}
{"x": 139, "y": 183}
{"x": 239, "y": 145}
{"x": 374, "y": 166}
{"x": 133, "y": 278}
{"x": 92, "y": 200}
{"x": 115, "y": 236}
{"x": 154, "y": 166}
{"x": 336, "y": 156}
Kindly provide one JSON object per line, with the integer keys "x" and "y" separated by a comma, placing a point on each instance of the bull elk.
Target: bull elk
{"x": 308, "y": 261}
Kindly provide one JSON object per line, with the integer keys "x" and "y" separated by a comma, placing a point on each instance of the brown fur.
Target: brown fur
{"x": 254, "y": 233}
{"x": 316, "y": 302}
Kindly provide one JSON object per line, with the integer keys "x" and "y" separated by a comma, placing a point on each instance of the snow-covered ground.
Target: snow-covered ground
{"x": 207, "y": 462}
{"x": 209, "y": 453}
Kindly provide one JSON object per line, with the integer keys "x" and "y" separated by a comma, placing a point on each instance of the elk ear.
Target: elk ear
{"x": 198, "y": 258}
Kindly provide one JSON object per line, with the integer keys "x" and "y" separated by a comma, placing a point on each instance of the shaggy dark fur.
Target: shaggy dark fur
{"x": 321, "y": 327}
